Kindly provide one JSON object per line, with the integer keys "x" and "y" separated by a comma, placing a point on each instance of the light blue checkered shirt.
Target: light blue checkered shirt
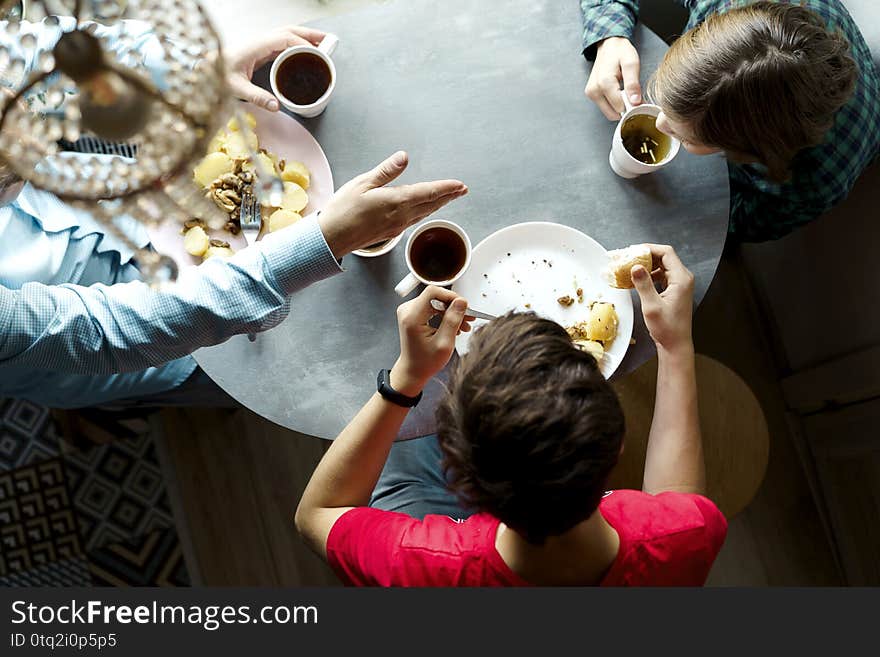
{"x": 69, "y": 345}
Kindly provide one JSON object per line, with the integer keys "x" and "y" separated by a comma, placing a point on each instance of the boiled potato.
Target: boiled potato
{"x": 232, "y": 125}
{"x": 295, "y": 197}
{"x": 211, "y": 167}
{"x": 237, "y": 144}
{"x": 595, "y": 349}
{"x": 218, "y": 143}
{"x": 296, "y": 172}
{"x": 268, "y": 164}
{"x": 282, "y": 219}
{"x": 218, "y": 252}
{"x": 602, "y": 322}
{"x": 196, "y": 241}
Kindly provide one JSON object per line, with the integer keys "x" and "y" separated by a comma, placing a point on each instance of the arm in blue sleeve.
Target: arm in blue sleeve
{"x": 107, "y": 329}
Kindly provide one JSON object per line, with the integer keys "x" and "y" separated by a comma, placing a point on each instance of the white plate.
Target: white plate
{"x": 535, "y": 263}
{"x": 285, "y": 137}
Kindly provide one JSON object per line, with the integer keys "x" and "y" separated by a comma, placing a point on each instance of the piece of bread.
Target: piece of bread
{"x": 620, "y": 263}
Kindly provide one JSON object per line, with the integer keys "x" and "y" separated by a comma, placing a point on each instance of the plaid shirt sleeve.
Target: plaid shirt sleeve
{"x": 107, "y": 329}
{"x": 607, "y": 18}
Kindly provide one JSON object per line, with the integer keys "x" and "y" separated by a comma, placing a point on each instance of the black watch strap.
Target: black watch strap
{"x": 383, "y": 385}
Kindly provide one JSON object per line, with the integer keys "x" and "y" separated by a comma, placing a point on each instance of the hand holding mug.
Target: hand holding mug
{"x": 424, "y": 351}
{"x": 243, "y": 61}
{"x": 365, "y": 210}
{"x": 617, "y": 61}
{"x": 668, "y": 314}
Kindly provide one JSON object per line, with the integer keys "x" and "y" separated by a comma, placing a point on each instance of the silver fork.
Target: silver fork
{"x": 250, "y": 216}
{"x": 251, "y": 219}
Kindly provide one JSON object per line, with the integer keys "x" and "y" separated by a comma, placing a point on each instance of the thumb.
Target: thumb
{"x": 259, "y": 97}
{"x": 388, "y": 170}
{"x": 452, "y": 319}
{"x": 630, "y": 71}
{"x": 645, "y": 287}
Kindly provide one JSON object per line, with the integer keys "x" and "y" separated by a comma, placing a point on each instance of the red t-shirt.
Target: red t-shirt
{"x": 670, "y": 539}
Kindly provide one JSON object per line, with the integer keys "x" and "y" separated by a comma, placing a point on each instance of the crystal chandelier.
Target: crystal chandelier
{"x": 80, "y": 86}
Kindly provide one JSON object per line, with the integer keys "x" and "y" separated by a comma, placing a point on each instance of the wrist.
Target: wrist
{"x": 404, "y": 382}
{"x": 335, "y": 239}
{"x": 611, "y": 40}
{"x": 681, "y": 351}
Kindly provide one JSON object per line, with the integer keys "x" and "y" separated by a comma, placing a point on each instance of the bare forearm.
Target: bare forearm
{"x": 674, "y": 460}
{"x": 347, "y": 474}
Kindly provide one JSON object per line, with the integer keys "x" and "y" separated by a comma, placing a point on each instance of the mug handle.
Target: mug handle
{"x": 407, "y": 285}
{"x": 626, "y": 101}
{"x": 328, "y": 44}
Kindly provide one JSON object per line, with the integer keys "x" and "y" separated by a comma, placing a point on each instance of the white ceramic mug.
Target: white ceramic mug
{"x": 624, "y": 164}
{"x": 324, "y": 50}
{"x": 411, "y": 281}
{"x": 374, "y": 253}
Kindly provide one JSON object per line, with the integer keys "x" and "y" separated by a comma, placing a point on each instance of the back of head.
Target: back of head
{"x": 760, "y": 82}
{"x": 530, "y": 429}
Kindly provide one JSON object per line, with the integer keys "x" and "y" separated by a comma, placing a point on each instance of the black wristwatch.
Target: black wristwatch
{"x": 383, "y": 385}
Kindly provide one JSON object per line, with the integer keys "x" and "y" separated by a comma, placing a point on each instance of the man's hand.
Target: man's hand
{"x": 242, "y": 62}
{"x": 617, "y": 61}
{"x": 668, "y": 314}
{"x": 364, "y": 211}
{"x": 425, "y": 351}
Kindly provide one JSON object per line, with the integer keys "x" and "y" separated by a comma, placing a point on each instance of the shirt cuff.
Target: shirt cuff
{"x": 298, "y": 255}
{"x": 592, "y": 41}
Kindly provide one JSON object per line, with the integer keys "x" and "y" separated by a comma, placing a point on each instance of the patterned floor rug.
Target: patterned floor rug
{"x": 83, "y": 514}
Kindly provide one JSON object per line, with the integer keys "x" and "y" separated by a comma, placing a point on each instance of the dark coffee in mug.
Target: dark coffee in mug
{"x": 303, "y": 78}
{"x": 438, "y": 254}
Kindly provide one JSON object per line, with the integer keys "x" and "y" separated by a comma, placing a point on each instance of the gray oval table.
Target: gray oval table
{"x": 494, "y": 98}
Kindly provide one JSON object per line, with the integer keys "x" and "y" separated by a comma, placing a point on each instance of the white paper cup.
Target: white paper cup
{"x": 624, "y": 164}
{"x": 390, "y": 244}
{"x": 324, "y": 50}
{"x": 412, "y": 280}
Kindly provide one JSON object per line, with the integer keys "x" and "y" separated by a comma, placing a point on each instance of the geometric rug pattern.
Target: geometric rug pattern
{"x": 153, "y": 559}
{"x": 27, "y": 434}
{"x": 118, "y": 490}
{"x": 77, "y": 516}
{"x": 37, "y": 523}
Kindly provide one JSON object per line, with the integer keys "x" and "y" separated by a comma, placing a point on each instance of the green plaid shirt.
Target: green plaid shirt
{"x": 823, "y": 175}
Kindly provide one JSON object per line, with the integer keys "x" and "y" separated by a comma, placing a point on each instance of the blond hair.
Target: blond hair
{"x": 760, "y": 82}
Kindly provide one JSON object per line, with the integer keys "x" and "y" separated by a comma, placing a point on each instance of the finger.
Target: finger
{"x": 610, "y": 113}
{"x": 452, "y": 320}
{"x": 274, "y": 44}
{"x": 665, "y": 257}
{"x": 425, "y": 310}
{"x": 310, "y": 34}
{"x": 425, "y": 209}
{"x": 443, "y": 294}
{"x": 254, "y": 94}
{"x": 611, "y": 92}
{"x": 629, "y": 67}
{"x": 645, "y": 287}
{"x": 387, "y": 170}
{"x": 430, "y": 192}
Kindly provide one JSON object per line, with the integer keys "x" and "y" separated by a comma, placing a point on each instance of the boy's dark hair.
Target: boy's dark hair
{"x": 529, "y": 427}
